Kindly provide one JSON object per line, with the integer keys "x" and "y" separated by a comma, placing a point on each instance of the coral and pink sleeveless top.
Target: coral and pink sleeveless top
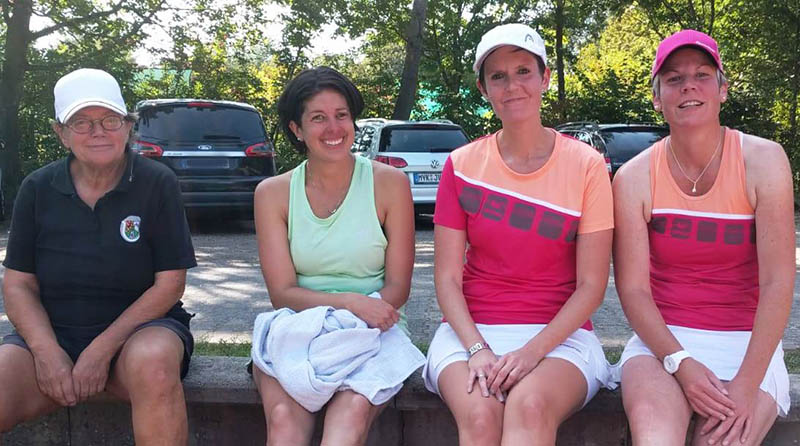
{"x": 521, "y": 228}
{"x": 703, "y": 262}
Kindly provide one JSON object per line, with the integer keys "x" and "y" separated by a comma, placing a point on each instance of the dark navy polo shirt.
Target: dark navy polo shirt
{"x": 91, "y": 264}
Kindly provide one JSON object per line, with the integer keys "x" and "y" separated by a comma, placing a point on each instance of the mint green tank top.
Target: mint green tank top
{"x": 344, "y": 252}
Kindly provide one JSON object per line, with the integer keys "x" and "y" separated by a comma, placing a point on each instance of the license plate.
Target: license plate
{"x": 427, "y": 178}
{"x": 204, "y": 163}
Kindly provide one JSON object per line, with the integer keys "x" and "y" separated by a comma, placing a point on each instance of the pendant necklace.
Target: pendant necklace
{"x": 694, "y": 182}
{"x": 332, "y": 210}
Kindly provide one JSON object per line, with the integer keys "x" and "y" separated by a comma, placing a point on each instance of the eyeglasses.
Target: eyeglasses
{"x": 109, "y": 124}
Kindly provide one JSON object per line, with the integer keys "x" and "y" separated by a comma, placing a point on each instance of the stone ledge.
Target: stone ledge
{"x": 220, "y": 379}
{"x": 224, "y": 409}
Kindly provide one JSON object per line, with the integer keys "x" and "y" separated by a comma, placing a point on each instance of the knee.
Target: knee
{"x": 9, "y": 418}
{"x": 481, "y": 422}
{"x": 356, "y": 414}
{"x": 283, "y": 426}
{"x": 642, "y": 412}
{"x": 533, "y": 411}
{"x": 9, "y": 415}
{"x": 6, "y": 421}
{"x": 151, "y": 368}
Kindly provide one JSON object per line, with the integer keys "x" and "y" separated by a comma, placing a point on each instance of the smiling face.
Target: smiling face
{"x": 326, "y": 126}
{"x": 99, "y": 148}
{"x": 690, "y": 93}
{"x": 513, "y": 84}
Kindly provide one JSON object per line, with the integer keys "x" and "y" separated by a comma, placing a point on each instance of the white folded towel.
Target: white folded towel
{"x": 321, "y": 350}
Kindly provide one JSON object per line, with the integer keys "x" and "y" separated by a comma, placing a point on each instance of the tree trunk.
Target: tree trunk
{"x": 408, "y": 85}
{"x": 562, "y": 94}
{"x": 18, "y": 38}
{"x": 795, "y": 91}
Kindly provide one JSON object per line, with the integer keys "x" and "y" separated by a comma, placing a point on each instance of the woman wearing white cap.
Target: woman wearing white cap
{"x": 704, "y": 262}
{"x": 533, "y": 211}
{"x": 95, "y": 269}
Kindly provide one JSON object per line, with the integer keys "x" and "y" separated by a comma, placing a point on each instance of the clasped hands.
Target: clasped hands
{"x": 728, "y": 407}
{"x": 66, "y": 383}
{"x": 497, "y": 375}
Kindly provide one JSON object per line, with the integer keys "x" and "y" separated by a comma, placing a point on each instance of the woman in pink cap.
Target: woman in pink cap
{"x": 533, "y": 211}
{"x": 704, "y": 263}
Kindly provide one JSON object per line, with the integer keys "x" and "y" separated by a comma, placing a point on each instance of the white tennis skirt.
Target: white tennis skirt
{"x": 581, "y": 348}
{"x": 722, "y": 352}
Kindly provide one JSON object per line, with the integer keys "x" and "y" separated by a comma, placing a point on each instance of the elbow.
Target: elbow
{"x": 596, "y": 300}
{"x": 396, "y": 294}
{"x": 173, "y": 286}
{"x": 594, "y": 292}
{"x": 179, "y": 287}
{"x": 276, "y": 302}
{"x": 400, "y": 301}
{"x": 278, "y": 299}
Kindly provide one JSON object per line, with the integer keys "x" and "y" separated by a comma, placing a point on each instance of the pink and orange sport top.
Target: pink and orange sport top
{"x": 703, "y": 263}
{"x": 521, "y": 228}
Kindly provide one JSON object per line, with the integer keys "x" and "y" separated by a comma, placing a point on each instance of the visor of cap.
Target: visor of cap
{"x": 513, "y": 34}
{"x": 683, "y": 39}
{"x": 86, "y": 87}
{"x": 79, "y": 105}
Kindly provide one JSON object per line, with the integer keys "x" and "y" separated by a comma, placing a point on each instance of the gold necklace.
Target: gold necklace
{"x": 694, "y": 182}
{"x": 333, "y": 210}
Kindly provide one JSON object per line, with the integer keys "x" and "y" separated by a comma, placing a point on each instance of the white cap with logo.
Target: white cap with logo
{"x": 87, "y": 87}
{"x": 515, "y": 34}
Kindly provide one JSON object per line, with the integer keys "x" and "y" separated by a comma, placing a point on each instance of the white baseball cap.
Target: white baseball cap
{"x": 87, "y": 87}
{"x": 515, "y": 34}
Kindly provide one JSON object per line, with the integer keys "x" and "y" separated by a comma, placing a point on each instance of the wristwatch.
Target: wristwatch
{"x": 673, "y": 361}
{"x": 476, "y": 347}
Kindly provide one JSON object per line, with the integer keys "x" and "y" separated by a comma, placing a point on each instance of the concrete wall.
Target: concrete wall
{"x": 224, "y": 409}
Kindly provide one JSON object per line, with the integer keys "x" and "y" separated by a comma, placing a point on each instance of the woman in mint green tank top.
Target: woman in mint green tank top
{"x": 337, "y": 232}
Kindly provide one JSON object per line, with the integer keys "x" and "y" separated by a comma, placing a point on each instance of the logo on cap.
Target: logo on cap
{"x": 129, "y": 228}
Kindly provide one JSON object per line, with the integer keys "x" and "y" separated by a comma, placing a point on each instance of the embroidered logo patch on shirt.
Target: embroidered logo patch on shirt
{"x": 129, "y": 228}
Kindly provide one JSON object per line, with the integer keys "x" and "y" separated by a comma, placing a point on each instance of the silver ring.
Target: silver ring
{"x": 481, "y": 376}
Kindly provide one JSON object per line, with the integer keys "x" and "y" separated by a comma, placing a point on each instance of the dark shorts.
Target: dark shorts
{"x": 74, "y": 345}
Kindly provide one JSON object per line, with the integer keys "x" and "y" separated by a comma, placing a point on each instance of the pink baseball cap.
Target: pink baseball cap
{"x": 687, "y": 37}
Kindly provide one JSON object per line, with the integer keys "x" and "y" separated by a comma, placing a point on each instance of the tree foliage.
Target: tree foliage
{"x": 600, "y": 53}
{"x": 93, "y": 34}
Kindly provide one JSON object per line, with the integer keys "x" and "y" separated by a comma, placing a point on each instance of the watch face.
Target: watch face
{"x": 669, "y": 365}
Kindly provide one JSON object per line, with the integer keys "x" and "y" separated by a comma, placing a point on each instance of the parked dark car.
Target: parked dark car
{"x": 218, "y": 149}
{"x": 617, "y": 142}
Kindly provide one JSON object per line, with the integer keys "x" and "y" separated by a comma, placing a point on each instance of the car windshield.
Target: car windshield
{"x": 185, "y": 122}
{"x": 416, "y": 139}
{"x": 626, "y": 143}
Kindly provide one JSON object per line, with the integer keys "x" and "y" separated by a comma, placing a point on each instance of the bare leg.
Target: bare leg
{"x": 288, "y": 423}
{"x": 347, "y": 419}
{"x": 541, "y": 401}
{"x": 147, "y": 374}
{"x": 765, "y": 414}
{"x": 479, "y": 419}
{"x": 20, "y": 397}
{"x": 657, "y": 410}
